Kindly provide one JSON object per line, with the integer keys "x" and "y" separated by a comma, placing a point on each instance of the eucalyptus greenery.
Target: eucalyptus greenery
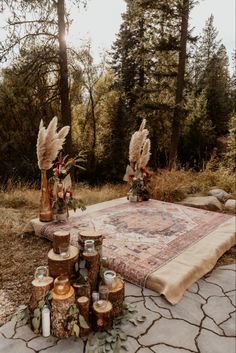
{"x": 37, "y": 314}
{"x": 115, "y": 339}
{"x": 75, "y": 321}
{"x": 21, "y": 315}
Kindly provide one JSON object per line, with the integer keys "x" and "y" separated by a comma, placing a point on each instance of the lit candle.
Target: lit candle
{"x": 45, "y": 322}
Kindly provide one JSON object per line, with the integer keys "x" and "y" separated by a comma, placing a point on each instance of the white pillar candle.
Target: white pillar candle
{"x": 46, "y": 322}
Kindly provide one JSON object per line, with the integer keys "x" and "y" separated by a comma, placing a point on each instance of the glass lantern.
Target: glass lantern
{"x": 62, "y": 285}
{"x": 103, "y": 292}
{"x": 41, "y": 273}
{"x": 95, "y": 296}
{"x": 104, "y": 261}
{"x": 64, "y": 250}
{"x": 89, "y": 246}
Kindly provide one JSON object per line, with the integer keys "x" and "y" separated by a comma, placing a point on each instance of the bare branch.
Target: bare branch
{"x": 43, "y": 21}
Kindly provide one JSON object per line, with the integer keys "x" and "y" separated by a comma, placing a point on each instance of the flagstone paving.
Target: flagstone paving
{"x": 202, "y": 322}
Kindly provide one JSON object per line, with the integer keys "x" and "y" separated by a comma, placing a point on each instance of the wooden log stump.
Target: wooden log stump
{"x": 60, "y": 312}
{"x": 93, "y": 265}
{"x": 83, "y": 305}
{"x": 62, "y": 266}
{"x": 90, "y": 234}
{"x": 102, "y": 316}
{"x": 39, "y": 289}
{"x": 60, "y": 238}
{"x": 116, "y": 296}
{"x": 82, "y": 290}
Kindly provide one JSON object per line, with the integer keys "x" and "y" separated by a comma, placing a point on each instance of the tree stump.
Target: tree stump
{"x": 90, "y": 234}
{"x": 102, "y": 316}
{"x": 62, "y": 266}
{"x": 60, "y": 312}
{"x": 93, "y": 266}
{"x": 116, "y": 296}
{"x": 39, "y": 289}
{"x": 82, "y": 290}
{"x": 83, "y": 304}
{"x": 60, "y": 237}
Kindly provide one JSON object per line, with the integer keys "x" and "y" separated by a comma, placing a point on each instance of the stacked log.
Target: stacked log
{"x": 82, "y": 290}
{"x": 60, "y": 312}
{"x": 39, "y": 289}
{"x": 93, "y": 265}
{"x": 101, "y": 312}
{"x": 116, "y": 296}
{"x": 60, "y": 237}
{"x": 90, "y": 234}
{"x": 62, "y": 266}
{"x": 83, "y": 305}
{"x": 102, "y": 316}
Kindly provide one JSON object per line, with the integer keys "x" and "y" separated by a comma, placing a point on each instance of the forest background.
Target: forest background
{"x": 156, "y": 70}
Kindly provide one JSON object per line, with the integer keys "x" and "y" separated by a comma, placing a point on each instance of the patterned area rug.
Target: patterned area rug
{"x": 141, "y": 237}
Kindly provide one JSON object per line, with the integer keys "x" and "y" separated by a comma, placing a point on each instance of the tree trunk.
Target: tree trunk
{"x": 63, "y": 66}
{"x": 94, "y": 141}
{"x": 176, "y": 124}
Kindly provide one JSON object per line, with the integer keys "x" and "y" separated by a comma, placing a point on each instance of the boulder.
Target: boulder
{"x": 230, "y": 205}
{"x": 221, "y": 195}
{"x": 210, "y": 203}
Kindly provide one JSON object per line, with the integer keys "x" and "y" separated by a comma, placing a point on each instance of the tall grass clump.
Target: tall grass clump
{"x": 91, "y": 195}
{"x": 175, "y": 185}
{"x": 171, "y": 186}
{"x": 18, "y": 194}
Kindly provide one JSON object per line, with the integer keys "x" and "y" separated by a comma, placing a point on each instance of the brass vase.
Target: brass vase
{"x": 45, "y": 212}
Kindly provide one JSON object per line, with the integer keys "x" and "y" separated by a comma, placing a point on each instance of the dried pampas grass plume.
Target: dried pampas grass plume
{"x": 145, "y": 155}
{"x": 136, "y": 143}
{"x": 49, "y": 143}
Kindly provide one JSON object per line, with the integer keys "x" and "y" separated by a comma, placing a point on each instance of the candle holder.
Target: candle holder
{"x": 64, "y": 250}
{"x": 133, "y": 198}
{"x": 62, "y": 285}
{"x": 101, "y": 303}
{"x": 89, "y": 246}
{"x": 103, "y": 292}
{"x": 104, "y": 261}
{"x": 95, "y": 296}
{"x": 41, "y": 273}
{"x": 109, "y": 278}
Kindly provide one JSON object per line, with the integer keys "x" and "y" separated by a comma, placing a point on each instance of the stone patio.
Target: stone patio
{"x": 202, "y": 322}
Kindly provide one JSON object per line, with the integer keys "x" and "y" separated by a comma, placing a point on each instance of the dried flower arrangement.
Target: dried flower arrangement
{"x": 137, "y": 174}
{"x": 63, "y": 199}
{"x": 49, "y": 144}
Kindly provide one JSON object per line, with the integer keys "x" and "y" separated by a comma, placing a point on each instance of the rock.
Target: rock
{"x": 230, "y": 205}
{"x": 221, "y": 195}
{"x": 210, "y": 203}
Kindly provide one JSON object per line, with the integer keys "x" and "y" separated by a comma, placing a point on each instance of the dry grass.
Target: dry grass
{"x": 175, "y": 185}
{"x": 19, "y": 195}
{"x": 19, "y": 258}
{"x": 99, "y": 194}
{"x": 22, "y": 196}
{"x": 20, "y": 255}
